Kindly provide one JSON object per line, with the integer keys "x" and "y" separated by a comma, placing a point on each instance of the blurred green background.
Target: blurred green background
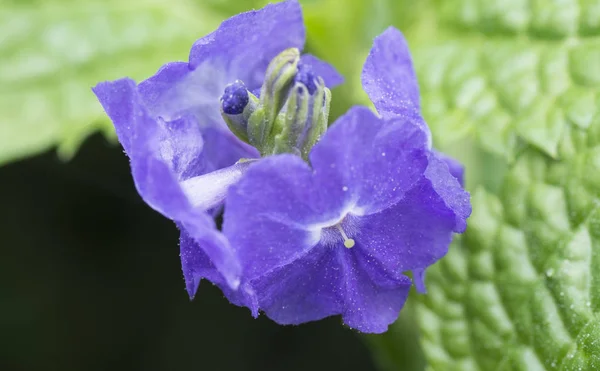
{"x": 90, "y": 275}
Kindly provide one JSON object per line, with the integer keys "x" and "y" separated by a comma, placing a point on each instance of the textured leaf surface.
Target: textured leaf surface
{"x": 511, "y": 73}
{"x": 521, "y": 289}
{"x": 52, "y": 52}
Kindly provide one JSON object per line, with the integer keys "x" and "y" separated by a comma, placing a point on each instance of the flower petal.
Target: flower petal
{"x": 388, "y": 75}
{"x": 419, "y": 280}
{"x": 250, "y": 40}
{"x": 196, "y": 265}
{"x": 268, "y": 214}
{"x": 389, "y": 79}
{"x": 366, "y": 163}
{"x": 176, "y": 91}
{"x": 223, "y": 149}
{"x": 373, "y": 300}
{"x": 456, "y": 168}
{"x": 416, "y": 232}
{"x": 162, "y": 154}
{"x": 330, "y": 75}
{"x": 308, "y": 290}
{"x": 450, "y": 190}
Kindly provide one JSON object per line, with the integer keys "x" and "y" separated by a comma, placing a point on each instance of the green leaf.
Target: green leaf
{"x": 520, "y": 290}
{"x": 53, "y": 52}
{"x": 511, "y": 74}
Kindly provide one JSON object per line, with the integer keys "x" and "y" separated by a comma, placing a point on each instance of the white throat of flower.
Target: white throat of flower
{"x": 343, "y": 228}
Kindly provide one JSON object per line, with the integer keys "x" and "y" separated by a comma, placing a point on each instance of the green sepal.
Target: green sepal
{"x": 274, "y": 93}
{"x": 304, "y": 121}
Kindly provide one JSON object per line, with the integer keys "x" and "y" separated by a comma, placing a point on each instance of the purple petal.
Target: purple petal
{"x": 367, "y": 163}
{"x": 412, "y": 234}
{"x": 308, "y": 290}
{"x": 456, "y": 168}
{"x": 176, "y": 91}
{"x": 419, "y": 280}
{"x": 373, "y": 299}
{"x": 162, "y": 154}
{"x": 268, "y": 212}
{"x": 388, "y": 76}
{"x": 389, "y": 79}
{"x": 328, "y": 282}
{"x": 196, "y": 265}
{"x": 330, "y": 75}
{"x": 249, "y": 41}
{"x": 450, "y": 191}
{"x": 222, "y": 149}
{"x": 117, "y": 100}
{"x": 416, "y": 232}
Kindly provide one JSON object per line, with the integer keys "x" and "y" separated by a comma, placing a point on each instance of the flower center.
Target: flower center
{"x": 342, "y": 231}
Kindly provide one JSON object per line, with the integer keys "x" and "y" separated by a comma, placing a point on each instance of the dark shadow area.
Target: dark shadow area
{"x": 90, "y": 280}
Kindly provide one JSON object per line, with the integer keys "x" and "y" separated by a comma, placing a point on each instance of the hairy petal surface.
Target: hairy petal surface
{"x": 456, "y": 168}
{"x": 388, "y": 75}
{"x": 389, "y": 79}
{"x": 308, "y": 290}
{"x": 415, "y": 232}
{"x": 367, "y": 162}
{"x": 373, "y": 298}
{"x": 268, "y": 214}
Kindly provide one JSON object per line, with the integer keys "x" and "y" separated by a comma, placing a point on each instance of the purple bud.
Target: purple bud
{"x": 235, "y": 98}
{"x": 307, "y": 77}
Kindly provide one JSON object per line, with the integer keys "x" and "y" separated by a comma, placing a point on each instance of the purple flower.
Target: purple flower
{"x": 328, "y": 230}
{"x": 183, "y": 156}
{"x": 390, "y": 81}
{"x": 336, "y": 236}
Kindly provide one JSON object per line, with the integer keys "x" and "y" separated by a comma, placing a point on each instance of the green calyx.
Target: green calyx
{"x": 286, "y": 118}
{"x": 304, "y": 121}
{"x": 273, "y": 95}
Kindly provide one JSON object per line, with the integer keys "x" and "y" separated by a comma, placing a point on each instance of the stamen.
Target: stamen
{"x": 348, "y": 242}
